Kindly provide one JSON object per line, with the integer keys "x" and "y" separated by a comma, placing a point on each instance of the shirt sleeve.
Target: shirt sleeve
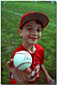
{"x": 11, "y": 58}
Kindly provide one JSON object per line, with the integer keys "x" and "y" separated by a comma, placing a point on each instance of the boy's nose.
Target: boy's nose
{"x": 34, "y": 33}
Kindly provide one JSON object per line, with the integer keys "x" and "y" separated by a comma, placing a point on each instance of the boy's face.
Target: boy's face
{"x": 31, "y": 32}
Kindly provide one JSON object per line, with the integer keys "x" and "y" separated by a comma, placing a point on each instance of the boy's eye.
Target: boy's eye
{"x": 38, "y": 30}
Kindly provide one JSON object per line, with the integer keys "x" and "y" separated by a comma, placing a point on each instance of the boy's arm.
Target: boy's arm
{"x": 47, "y": 76}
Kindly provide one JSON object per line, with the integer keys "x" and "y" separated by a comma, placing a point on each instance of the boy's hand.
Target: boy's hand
{"x": 50, "y": 80}
{"x": 53, "y": 82}
{"x": 22, "y": 76}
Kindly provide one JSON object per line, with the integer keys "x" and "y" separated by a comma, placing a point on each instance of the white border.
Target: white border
{"x": 0, "y": 42}
{"x": 28, "y": 0}
{"x": 56, "y": 41}
{"x": 0, "y": 31}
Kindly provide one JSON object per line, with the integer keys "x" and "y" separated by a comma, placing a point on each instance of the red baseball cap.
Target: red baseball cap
{"x": 40, "y": 17}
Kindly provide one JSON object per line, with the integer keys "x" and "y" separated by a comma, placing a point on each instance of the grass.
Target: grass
{"x": 11, "y": 15}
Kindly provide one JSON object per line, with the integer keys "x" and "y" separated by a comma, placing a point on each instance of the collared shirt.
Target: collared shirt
{"x": 37, "y": 60}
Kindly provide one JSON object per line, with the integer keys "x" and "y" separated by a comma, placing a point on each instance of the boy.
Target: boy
{"x": 31, "y": 26}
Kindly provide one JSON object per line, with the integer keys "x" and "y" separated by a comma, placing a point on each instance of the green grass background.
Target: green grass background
{"x": 11, "y": 13}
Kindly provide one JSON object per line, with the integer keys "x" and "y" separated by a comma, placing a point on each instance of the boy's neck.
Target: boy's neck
{"x": 29, "y": 47}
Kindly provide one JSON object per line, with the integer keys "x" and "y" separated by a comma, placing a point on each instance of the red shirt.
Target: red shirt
{"x": 37, "y": 60}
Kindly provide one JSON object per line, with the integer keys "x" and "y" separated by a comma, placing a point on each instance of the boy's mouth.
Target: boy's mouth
{"x": 33, "y": 38}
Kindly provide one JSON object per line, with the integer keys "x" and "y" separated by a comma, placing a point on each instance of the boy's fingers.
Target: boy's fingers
{"x": 53, "y": 82}
{"x": 28, "y": 70}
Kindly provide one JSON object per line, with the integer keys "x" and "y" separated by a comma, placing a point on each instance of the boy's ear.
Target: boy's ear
{"x": 20, "y": 32}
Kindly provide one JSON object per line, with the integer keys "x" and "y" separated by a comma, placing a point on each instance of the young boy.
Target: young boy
{"x": 31, "y": 26}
